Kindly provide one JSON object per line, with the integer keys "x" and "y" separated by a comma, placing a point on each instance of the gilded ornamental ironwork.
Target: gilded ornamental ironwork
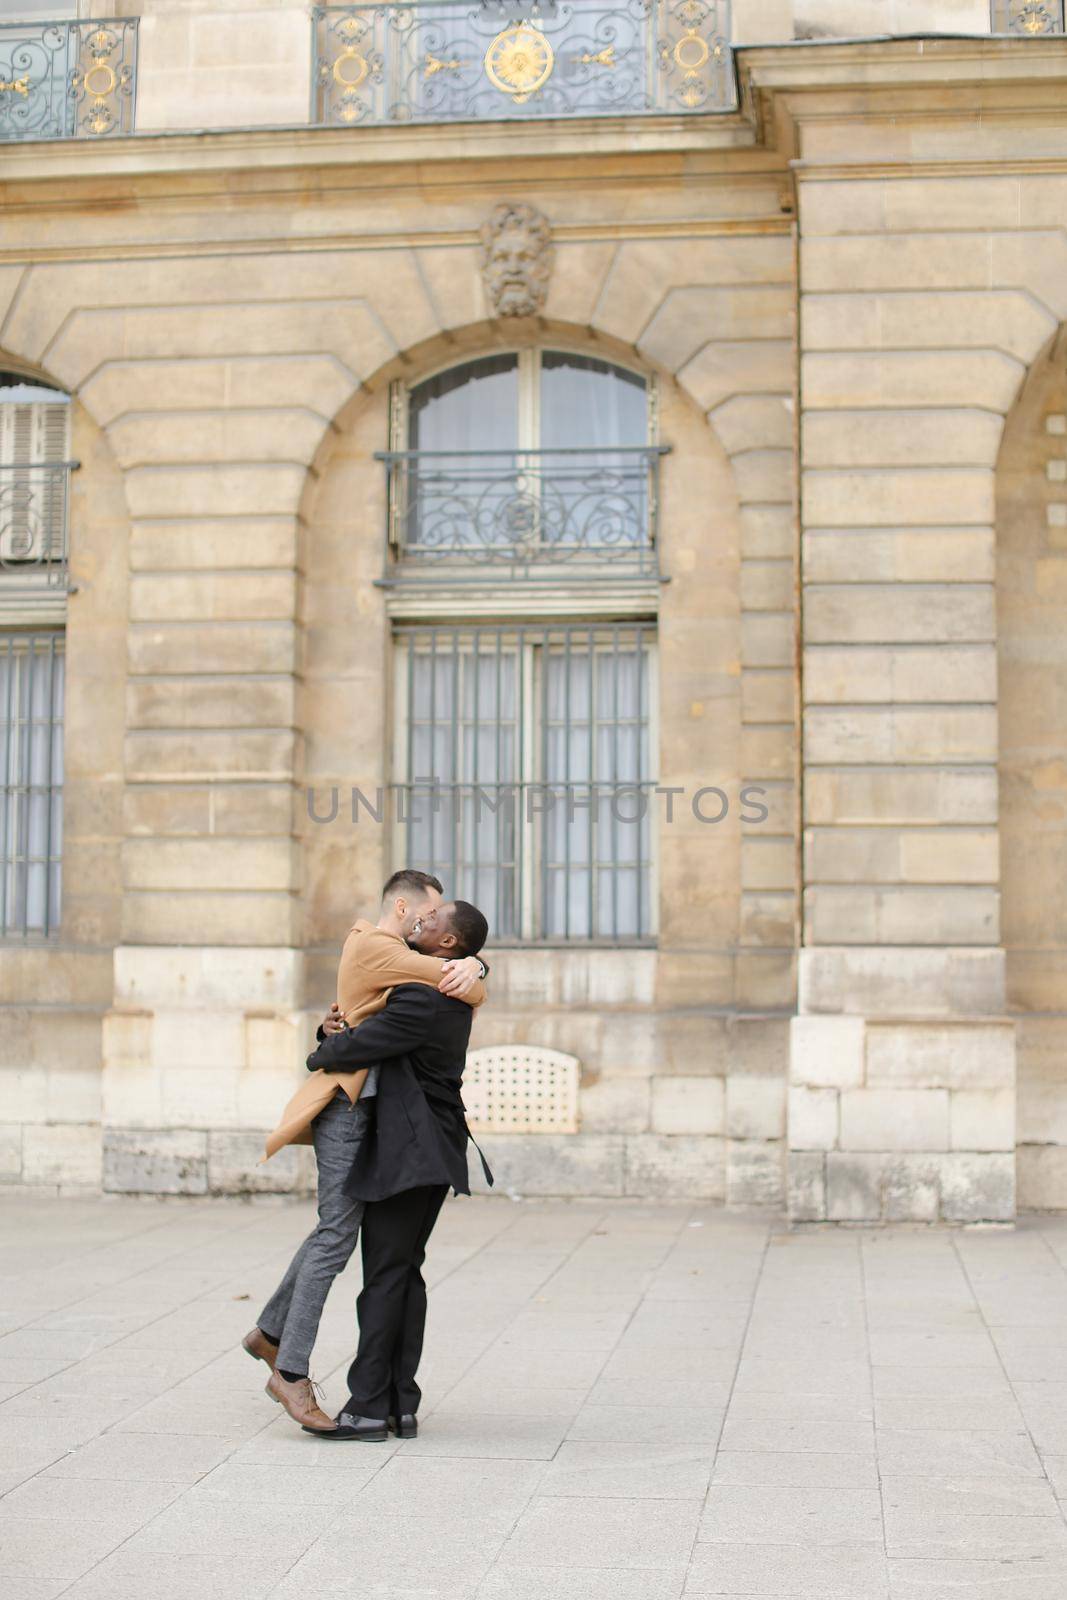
{"x": 67, "y": 80}
{"x": 1027, "y": 17}
{"x": 454, "y": 60}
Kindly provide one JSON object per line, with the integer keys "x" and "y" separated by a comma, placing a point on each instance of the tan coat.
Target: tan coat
{"x": 373, "y": 962}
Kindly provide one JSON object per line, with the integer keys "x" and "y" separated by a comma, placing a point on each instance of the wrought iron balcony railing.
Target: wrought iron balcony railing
{"x": 67, "y": 80}
{"x": 523, "y": 513}
{"x": 34, "y": 531}
{"x": 458, "y": 60}
{"x": 1027, "y": 17}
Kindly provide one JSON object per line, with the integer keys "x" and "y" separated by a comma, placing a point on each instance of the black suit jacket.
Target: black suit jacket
{"x": 417, "y": 1131}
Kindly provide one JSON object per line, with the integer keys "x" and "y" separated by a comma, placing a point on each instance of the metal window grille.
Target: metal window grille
{"x": 528, "y": 774}
{"x": 1027, "y": 17}
{"x": 525, "y": 512}
{"x": 31, "y": 818}
{"x": 68, "y": 80}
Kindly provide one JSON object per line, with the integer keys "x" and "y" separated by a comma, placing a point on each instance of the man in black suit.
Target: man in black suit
{"x": 415, "y": 1147}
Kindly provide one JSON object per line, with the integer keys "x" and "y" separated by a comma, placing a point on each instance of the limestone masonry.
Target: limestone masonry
{"x": 845, "y": 302}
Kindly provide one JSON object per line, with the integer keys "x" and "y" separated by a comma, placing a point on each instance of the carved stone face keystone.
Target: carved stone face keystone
{"x": 516, "y": 260}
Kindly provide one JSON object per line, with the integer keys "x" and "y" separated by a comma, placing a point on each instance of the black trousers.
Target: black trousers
{"x": 392, "y": 1304}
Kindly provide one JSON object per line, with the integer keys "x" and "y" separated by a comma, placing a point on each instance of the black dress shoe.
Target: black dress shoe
{"x": 371, "y": 1430}
{"x": 405, "y": 1426}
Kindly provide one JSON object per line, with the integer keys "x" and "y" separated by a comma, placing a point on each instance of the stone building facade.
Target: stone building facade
{"x": 842, "y": 299}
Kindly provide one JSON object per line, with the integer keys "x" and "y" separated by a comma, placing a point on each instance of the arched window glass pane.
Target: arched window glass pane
{"x": 473, "y": 407}
{"x": 589, "y": 402}
{"x": 598, "y": 498}
{"x": 537, "y": 455}
{"x": 17, "y": 390}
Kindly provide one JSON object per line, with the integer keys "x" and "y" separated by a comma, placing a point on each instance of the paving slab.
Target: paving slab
{"x": 581, "y": 1583}
{"x": 788, "y": 1572}
{"x": 617, "y": 1470}
{"x": 1039, "y": 1578}
{"x": 779, "y": 1469}
{"x": 939, "y": 1531}
{"x": 742, "y": 1514}
{"x": 574, "y": 1532}
{"x": 622, "y": 1402}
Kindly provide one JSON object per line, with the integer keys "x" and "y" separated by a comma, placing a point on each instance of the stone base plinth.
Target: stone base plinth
{"x": 901, "y": 1119}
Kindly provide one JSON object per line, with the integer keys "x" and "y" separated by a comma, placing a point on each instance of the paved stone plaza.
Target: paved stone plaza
{"x": 622, "y": 1402}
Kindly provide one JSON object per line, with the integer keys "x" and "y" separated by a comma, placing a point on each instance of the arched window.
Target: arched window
{"x": 525, "y": 459}
{"x": 526, "y": 752}
{"x": 34, "y": 478}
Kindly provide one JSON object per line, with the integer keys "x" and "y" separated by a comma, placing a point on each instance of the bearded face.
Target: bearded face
{"x": 517, "y": 261}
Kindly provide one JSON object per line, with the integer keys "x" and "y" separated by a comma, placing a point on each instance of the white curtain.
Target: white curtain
{"x": 596, "y": 840}
{"x": 464, "y": 735}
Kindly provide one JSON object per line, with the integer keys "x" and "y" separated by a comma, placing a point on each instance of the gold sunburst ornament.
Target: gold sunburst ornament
{"x": 519, "y": 61}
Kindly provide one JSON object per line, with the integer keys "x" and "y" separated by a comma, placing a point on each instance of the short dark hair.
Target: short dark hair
{"x": 469, "y": 926}
{"x": 408, "y": 881}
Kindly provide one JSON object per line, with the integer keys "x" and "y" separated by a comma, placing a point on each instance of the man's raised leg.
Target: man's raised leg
{"x": 292, "y": 1314}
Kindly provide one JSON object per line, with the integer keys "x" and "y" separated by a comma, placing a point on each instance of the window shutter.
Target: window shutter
{"x": 33, "y": 503}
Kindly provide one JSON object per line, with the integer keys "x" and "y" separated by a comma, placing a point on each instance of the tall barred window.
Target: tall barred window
{"x": 31, "y": 736}
{"x": 34, "y": 478}
{"x": 528, "y": 779}
{"x": 525, "y": 748}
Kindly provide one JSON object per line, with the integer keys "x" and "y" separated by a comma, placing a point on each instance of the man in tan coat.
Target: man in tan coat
{"x": 329, "y": 1110}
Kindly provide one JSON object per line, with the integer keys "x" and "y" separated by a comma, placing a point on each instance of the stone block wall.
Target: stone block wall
{"x": 201, "y": 1050}
{"x": 894, "y": 1120}
{"x": 842, "y": 19}
{"x": 671, "y": 1103}
{"x": 232, "y": 64}
{"x": 715, "y": 1130}
{"x": 231, "y": 353}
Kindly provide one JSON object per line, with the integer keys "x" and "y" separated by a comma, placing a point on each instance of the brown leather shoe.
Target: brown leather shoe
{"x": 260, "y": 1347}
{"x": 299, "y": 1400}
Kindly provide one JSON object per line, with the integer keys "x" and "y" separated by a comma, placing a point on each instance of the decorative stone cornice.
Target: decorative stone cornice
{"x": 780, "y": 85}
{"x": 414, "y": 145}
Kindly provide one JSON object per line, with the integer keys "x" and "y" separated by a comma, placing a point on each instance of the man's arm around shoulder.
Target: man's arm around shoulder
{"x": 391, "y": 962}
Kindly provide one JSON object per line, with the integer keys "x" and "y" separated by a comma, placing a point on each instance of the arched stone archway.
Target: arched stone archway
{"x": 1031, "y": 520}
{"x": 58, "y": 989}
{"x": 725, "y": 896}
